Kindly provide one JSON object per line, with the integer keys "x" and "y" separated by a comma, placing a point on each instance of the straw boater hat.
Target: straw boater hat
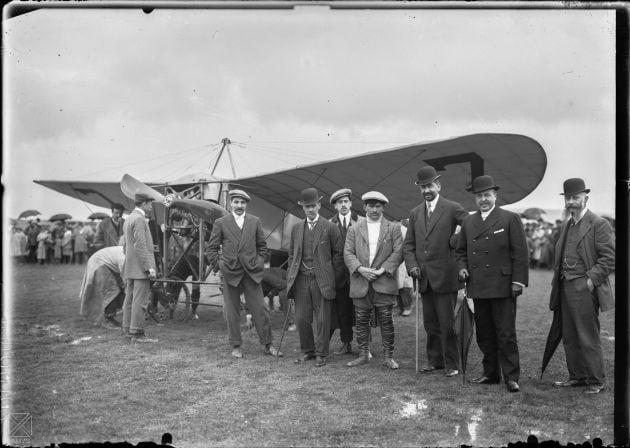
{"x": 239, "y": 194}
{"x": 483, "y": 183}
{"x": 374, "y": 196}
{"x": 574, "y": 185}
{"x": 339, "y": 194}
{"x": 309, "y": 196}
{"x": 426, "y": 175}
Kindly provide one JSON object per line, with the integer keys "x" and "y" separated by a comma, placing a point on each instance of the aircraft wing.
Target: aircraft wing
{"x": 102, "y": 194}
{"x": 516, "y": 162}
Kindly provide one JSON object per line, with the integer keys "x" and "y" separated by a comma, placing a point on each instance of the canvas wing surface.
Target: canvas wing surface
{"x": 516, "y": 162}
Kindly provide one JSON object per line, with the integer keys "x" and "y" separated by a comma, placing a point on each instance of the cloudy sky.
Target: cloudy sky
{"x": 93, "y": 94}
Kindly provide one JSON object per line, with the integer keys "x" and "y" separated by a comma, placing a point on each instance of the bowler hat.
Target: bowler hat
{"x": 309, "y": 196}
{"x": 426, "y": 175}
{"x": 374, "y": 196}
{"x": 574, "y": 185}
{"x": 483, "y": 183}
{"x": 142, "y": 197}
{"x": 239, "y": 194}
{"x": 339, "y": 194}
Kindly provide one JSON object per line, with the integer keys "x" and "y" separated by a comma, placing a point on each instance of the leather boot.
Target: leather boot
{"x": 389, "y": 361}
{"x": 362, "y": 359}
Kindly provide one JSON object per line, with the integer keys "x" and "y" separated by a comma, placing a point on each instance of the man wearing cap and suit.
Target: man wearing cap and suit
{"x": 110, "y": 230}
{"x": 584, "y": 257}
{"x": 492, "y": 255}
{"x": 139, "y": 268}
{"x": 343, "y": 309}
{"x": 315, "y": 267}
{"x": 372, "y": 253}
{"x": 430, "y": 258}
{"x": 242, "y": 262}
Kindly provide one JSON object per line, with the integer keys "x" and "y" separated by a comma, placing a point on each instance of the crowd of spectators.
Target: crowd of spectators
{"x": 57, "y": 242}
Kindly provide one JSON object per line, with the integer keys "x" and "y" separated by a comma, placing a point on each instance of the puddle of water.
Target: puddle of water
{"x": 78, "y": 341}
{"x": 413, "y": 408}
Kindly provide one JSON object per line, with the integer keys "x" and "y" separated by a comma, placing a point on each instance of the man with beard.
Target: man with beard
{"x": 430, "y": 258}
{"x": 139, "y": 268}
{"x": 315, "y": 267}
{"x": 492, "y": 256}
{"x": 372, "y": 253}
{"x": 584, "y": 257}
{"x": 110, "y": 230}
{"x": 241, "y": 261}
{"x": 343, "y": 308}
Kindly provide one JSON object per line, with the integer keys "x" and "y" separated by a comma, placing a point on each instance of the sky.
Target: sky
{"x": 92, "y": 94}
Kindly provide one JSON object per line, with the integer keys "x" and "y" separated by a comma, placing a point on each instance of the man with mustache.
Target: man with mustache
{"x": 492, "y": 256}
{"x": 315, "y": 267}
{"x": 242, "y": 262}
{"x": 584, "y": 257}
{"x": 430, "y": 258}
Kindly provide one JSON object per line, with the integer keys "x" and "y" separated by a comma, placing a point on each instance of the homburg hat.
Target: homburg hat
{"x": 374, "y": 196}
{"x": 483, "y": 183}
{"x": 239, "y": 194}
{"x": 426, "y": 175}
{"x": 339, "y": 194}
{"x": 574, "y": 185}
{"x": 309, "y": 196}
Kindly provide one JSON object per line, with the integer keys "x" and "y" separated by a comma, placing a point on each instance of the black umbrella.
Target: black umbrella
{"x": 98, "y": 215}
{"x": 464, "y": 325}
{"x": 27, "y": 213}
{"x": 553, "y": 339}
{"x": 60, "y": 217}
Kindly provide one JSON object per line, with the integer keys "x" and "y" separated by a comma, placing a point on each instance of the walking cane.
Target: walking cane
{"x": 284, "y": 326}
{"x": 417, "y": 320}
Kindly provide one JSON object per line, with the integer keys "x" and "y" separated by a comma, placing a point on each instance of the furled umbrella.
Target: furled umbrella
{"x": 59, "y": 217}
{"x": 28, "y": 213}
{"x": 533, "y": 213}
{"x": 553, "y": 339}
{"x": 464, "y": 325}
{"x": 98, "y": 215}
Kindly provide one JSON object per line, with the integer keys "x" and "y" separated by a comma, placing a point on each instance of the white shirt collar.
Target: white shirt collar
{"x": 347, "y": 216}
{"x": 581, "y": 215}
{"x": 313, "y": 221}
{"x": 484, "y": 215}
{"x": 433, "y": 202}
{"x": 141, "y": 211}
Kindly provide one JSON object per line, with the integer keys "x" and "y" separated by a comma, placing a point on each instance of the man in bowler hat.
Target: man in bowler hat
{"x": 139, "y": 268}
{"x": 584, "y": 257}
{"x": 315, "y": 267}
{"x": 343, "y": 308}
{"x": 492, "y": 256}
{"x": 430, "y": 258}
{"x": 240, "y": 237}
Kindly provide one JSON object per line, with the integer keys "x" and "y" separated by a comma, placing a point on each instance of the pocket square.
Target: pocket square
{"x": 499, "y": 231}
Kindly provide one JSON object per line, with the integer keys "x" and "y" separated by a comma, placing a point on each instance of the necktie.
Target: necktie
{"x": 344, "y": 224}
{"x": 429, "y": 212}
{"x": 311, "y": 224}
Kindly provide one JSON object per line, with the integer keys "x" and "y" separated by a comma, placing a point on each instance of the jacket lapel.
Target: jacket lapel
{"x": 381, "y": 236}
{"x": 585, "y": 224}
{"x": 479, "y": 225}
{"x": 317, "y": 232}
{"x": 435, "y": 216}
{"x": 234, "y": 229}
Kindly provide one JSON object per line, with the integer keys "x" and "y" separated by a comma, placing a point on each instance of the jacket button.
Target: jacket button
{"x": 486, "y": 251}
{"x": 487, "y": 237}
{"x": 474, "y": 240}
{"x": 487, "y": 265}
{"x": 474, "y": 253}
{"x": 474, "y": 266}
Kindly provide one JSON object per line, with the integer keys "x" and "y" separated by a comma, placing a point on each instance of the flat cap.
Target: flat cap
{"x": 339, "y": 194}
{"x": 374, "y": 196}
{"x": 142, "y": 197}
{"x": 239, "y": 194}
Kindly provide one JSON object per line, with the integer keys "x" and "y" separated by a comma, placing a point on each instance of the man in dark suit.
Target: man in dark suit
{"x": 430, "y": 258}
{"x": 241, "y": 261}
{"x": 139, "y": 268}
{"x": 315, "y": 267}
{"x": 492, "y": 256}
{"x": 343, "y": 309}
{"x": 584, "y": 257}
{"x": 110, "y": 230}
{"x": 372, "y": 254}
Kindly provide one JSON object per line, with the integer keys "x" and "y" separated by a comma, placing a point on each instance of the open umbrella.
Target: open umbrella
{"x": 27, "y": 213}
{"x": 553, "y": 339}
{"x": 464, "y": 325}
{"x": 533, "y": 213}
{"x": 60, "y": 217}
{"x": 98, "y": 215}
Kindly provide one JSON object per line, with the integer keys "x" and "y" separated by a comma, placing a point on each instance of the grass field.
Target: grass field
{"x": 79, "y": 389}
